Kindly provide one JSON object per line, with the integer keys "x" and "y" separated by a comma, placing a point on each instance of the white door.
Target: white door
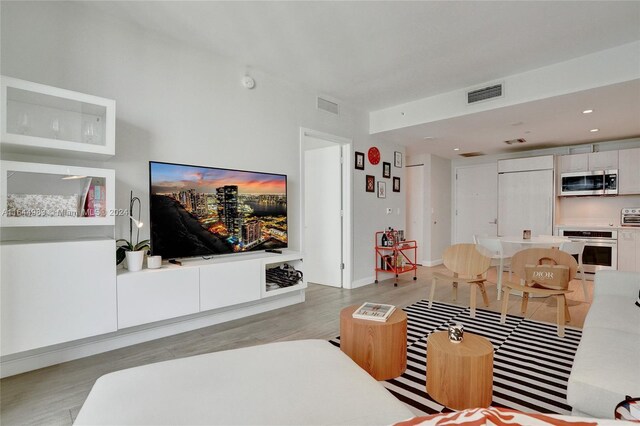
{"x": 322, "y": 218}
{"x": 525, "y": 202}
{"x": 476, "y": 209}
{"x": 414, "y": 176}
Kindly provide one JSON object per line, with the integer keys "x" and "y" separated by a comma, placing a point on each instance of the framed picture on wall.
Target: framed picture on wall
{"x": 359, "y": 160}
{"x": 396, "y": 184}
{"x": 382, "y": 189}
{"x": 370, "y": 184}
{"x": 386, "y": 170}
{"x": 397, "y": 159}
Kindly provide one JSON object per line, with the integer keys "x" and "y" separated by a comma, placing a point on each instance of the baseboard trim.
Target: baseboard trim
{"x": 430, "y": 263}
{"x": 362, "y": 282}
{"x": 11, "y": 365}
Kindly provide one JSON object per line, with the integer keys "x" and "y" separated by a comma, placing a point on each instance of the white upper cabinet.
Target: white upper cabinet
{"x": 574, "y": 163}
{"x": 607, "y": 160}
{"x": 629, "y": 171}
{"x": 45, "y": 120}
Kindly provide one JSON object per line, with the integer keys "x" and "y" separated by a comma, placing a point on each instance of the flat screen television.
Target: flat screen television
{"x": 204, "y": 211}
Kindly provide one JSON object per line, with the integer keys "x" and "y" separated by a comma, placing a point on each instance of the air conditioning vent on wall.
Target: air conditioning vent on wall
{"x": 484, "y": 94}
{"x": 328, "y": 106}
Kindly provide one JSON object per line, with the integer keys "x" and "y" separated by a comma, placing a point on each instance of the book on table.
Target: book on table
{"x": 374, "y": 311}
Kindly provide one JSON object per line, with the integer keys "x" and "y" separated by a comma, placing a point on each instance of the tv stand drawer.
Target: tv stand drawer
{"x": 150, "y": 296}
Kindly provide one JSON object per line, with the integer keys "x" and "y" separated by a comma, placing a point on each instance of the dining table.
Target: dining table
{"x": 540, "y": 241}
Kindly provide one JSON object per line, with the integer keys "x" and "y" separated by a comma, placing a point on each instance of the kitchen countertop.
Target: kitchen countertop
{"x": 598, "y": 227}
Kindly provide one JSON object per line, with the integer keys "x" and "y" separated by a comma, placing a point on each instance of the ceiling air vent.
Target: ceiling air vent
{"x": 471, "y": 154}
{"x": 515, "y": 141}
{"x": 328, "y": 106}
{"x": 484, "y": 94}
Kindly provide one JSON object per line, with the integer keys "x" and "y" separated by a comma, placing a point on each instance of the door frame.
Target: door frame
{"x": 347, "y": 198}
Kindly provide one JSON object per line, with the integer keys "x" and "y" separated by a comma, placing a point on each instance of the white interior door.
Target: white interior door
{"x": 414, "y": 176}
{"x": 322, "y": 218}
{"x": 476, "y": 202}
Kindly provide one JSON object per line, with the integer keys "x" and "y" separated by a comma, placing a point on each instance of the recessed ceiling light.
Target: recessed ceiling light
{"x": 428, "y": 138}
{"x": 456, "y": 149}
{"x": 587, "y": 111}
{"x": 594, "y": 130}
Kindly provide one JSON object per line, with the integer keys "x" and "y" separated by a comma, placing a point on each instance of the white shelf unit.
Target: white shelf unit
{"x": 44, "y": 120}
{"x": 294, "y": 260}
{"x": 60, "y": 185}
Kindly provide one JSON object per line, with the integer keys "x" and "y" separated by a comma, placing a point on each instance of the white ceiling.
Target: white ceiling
{"x": 378, "y": 54}
{"x": 545, "y": 123}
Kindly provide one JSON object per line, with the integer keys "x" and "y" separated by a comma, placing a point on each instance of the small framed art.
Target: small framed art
{"x": 382, "y": 189}
{"x": 397, "y": 159}
{"x": 386, "y": 170}
{"x": 370, "y": 184}
{"x": 396, "y": 184}
{"x": 359, "y": 160}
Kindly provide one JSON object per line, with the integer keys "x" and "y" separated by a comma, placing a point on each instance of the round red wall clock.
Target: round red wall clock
{"x": 374, "y": 155}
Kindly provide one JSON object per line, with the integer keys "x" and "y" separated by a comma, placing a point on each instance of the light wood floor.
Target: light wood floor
{"x": 54, "y": 395}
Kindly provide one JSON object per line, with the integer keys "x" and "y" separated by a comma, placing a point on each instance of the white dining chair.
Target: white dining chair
{"x": 575, "y": 248}
{"x": 498, "y": 258}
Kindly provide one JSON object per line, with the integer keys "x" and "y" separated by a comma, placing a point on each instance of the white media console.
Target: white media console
{"x": 65, "y": 310}
{"x": 61, "y": 296}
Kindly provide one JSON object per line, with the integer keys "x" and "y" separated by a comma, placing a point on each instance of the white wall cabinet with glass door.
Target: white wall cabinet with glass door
{"x": 45, "y": 120}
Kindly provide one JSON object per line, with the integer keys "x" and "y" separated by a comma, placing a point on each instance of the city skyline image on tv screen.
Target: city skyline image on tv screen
{"x": 202, "y": 211}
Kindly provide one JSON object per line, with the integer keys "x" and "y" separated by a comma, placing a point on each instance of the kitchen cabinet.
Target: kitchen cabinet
{"x": 629, "y": 171}
{"x": 525, "y": 196}
{"x": 607, "y": 160}
{"x": 574, "y": 163}
{"x": 629, "y": 250}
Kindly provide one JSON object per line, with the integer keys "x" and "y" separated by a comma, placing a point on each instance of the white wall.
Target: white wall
{"x": 435, "y": 192}
{"x": 181, "y": 104}
{"x": 441, "y": 206}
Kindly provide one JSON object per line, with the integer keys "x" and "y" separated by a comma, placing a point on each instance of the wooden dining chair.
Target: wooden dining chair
{"x": 467, "y": 265}
{"x": 532, "y": 256}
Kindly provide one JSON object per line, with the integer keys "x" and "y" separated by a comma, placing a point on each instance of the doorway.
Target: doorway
{"x": 326, "y": 208}
{"x": 476, "y": 202}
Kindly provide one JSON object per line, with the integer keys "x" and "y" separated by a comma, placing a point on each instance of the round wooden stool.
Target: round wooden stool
{"x": 380, "y": 348}
{"x": 460, "y": 375}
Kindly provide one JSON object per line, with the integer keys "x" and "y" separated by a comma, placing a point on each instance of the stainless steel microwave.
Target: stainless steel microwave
{"x": 597, "y": 182}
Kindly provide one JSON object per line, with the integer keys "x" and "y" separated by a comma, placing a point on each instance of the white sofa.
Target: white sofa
{"x": 305, "y": 382}
{"x": 607, "y": 363}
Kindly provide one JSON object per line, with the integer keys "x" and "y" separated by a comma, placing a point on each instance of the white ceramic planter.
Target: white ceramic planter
{"x": 135, "y": 260}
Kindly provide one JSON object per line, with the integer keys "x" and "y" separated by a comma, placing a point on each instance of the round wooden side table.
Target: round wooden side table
{"x": 460, "y": 375}
{"x": 380, "y": 348}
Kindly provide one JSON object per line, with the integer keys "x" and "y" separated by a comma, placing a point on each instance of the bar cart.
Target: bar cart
{"x": 397, "y": 257}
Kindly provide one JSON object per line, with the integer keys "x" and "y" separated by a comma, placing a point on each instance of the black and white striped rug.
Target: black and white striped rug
{"x": 531, "y": 363}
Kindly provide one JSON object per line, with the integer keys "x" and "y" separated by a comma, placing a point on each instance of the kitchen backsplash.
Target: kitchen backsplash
{"x": 593, "y": 210}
